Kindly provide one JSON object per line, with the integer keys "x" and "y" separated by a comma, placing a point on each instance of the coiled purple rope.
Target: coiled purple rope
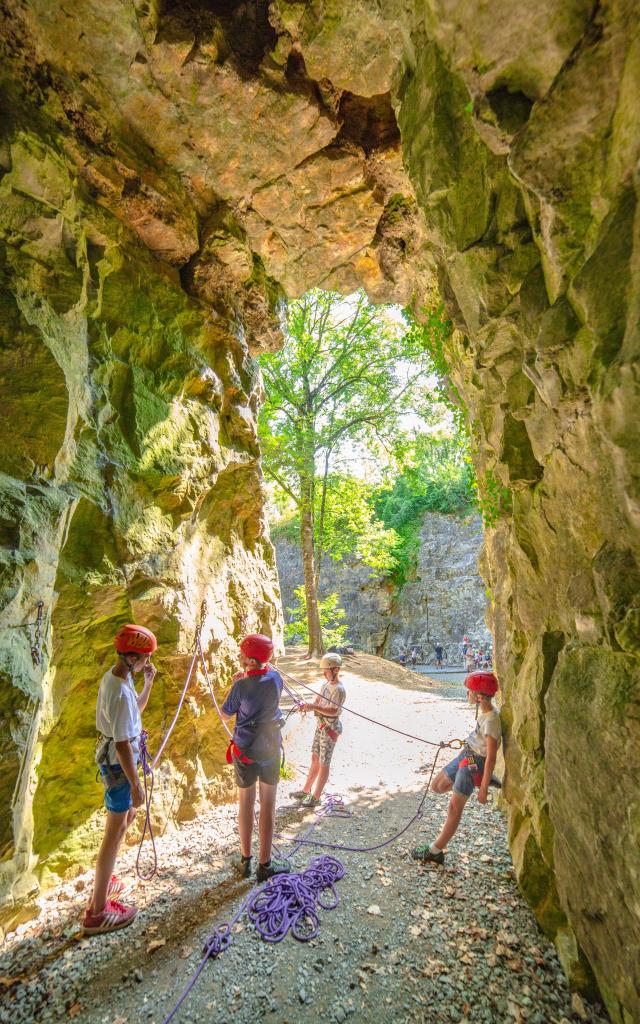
{"x": 288, "y": 903}
{"x": 322, "y": 879}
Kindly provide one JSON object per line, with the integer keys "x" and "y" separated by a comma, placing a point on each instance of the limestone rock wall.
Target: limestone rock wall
{"x": 366, "y": 599}
{"x": 167, "y": 168}
{"x": 520, "y": 132}
{"x": 130, "y": 490}
{"x": 445, "y": 599}
{"x": 165, "y": 171}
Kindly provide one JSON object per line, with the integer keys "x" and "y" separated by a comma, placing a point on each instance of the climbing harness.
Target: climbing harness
{"x": 469, "y": 761}
{"x": 331, "y": 733}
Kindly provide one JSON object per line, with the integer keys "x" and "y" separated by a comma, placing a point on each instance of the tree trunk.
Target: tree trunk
{"x": 308, "y": 566}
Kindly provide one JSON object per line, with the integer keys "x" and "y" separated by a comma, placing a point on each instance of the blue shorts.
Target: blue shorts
{"x": 117, "y": 798}
{"x": 460, "y": 774}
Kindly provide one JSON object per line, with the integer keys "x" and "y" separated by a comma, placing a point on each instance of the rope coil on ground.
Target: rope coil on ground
{"x": 288, "y": 903}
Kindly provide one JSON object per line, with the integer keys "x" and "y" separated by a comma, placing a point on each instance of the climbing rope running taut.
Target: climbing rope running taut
{"x": 454, "y": 744}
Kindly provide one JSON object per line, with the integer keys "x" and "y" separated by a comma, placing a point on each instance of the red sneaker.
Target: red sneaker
{"x": 115, "y": 887}
{"x": 115, "y": 915}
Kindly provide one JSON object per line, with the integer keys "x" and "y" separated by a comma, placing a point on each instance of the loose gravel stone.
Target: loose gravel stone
{"x": 416, "y": 961}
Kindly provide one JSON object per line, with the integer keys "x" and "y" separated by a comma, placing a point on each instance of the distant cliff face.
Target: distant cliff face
{"x": 445, "y": 599}
{"x": 168, "y": 172}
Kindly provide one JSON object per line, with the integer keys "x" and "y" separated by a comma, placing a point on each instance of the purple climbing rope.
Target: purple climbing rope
{"x": 378, "y": 846}
{"x": 288, "y": 903}
{"x": 209, "y": 684}
{"x": 147, "y": 773}
{"x": 180, "y": 703}
{"x": 297, "y": 907}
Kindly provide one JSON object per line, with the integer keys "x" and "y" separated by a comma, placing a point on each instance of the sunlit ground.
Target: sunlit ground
{"x": 367, "y": 756}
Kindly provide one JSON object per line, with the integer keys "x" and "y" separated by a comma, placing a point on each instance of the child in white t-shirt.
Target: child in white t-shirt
{"x": 119, "y": 723}
{"x": 472, "y": 768}
{"x": 327, "y": 708}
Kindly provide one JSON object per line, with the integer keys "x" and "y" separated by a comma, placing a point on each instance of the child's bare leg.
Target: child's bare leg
{"x": 266, "y": 821}
{"x": 442, "y": 783}
{"x": 114, "y": 831}
{"x": 454, "y": 813}
{"x": 321, "y": 779}
{"x": 313, "y": 773}
{"x": 246, "y": 804}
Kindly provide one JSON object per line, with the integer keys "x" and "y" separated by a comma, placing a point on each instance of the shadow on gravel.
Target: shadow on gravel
{"x": 401, "y": 945}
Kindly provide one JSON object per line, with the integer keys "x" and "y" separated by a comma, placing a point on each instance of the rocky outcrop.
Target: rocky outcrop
{"x": 444, "y": 599}
{"x": 447, "y": 598}
{"x": 168, "y": 169}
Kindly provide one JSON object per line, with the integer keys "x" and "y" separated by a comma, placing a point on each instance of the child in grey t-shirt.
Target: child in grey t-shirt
{"x": 327, "y": 708}
{"x": 472, "y": 767}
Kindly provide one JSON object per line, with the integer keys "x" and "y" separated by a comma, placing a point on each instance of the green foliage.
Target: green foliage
{"x": 434, "y": 332}
{"x": 334, "y": 628}
{"x": 346, "y": 373}
{"x": 436, "y": 476}
{"x": 351, "y": 528}
{"x": 493, "y": 499}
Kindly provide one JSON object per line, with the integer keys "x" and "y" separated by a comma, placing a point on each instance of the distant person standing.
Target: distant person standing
{"x": 402, "y": 658}
{"x": 414, "y": 656}
{"x": 439, "y": 653}
{"x": 467, "y": 654}
{"x": 464, "y": 648}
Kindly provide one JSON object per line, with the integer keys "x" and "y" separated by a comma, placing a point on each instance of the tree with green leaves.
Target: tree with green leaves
{"x": 345, "y": 375}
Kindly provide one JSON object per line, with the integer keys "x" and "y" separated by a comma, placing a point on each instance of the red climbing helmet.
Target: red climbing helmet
{"x": 132, "y": 639}
{"x": 482, "y": 682}
{"x": 258, "y": 647}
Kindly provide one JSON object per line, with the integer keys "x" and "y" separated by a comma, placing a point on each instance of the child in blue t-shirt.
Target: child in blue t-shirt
{"x": 255, "y": 750}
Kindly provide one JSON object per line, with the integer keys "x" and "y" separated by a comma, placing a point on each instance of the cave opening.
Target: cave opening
{"x": 169, "y": 173}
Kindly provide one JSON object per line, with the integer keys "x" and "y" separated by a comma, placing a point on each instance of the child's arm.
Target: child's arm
{"x": 142, "y": 699}
{"x": 327, "y": 712}
{"x": 124, "y": 753}
{"x": 231, "y": 702}
{"x": 489, "y": 765}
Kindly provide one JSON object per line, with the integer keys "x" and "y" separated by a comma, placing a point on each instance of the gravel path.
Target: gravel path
{"x": 406, "y": 943}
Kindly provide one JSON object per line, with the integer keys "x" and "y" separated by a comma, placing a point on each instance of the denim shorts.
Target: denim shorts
{"x": 460, "y": 774}
{"x": 117, "y": 798}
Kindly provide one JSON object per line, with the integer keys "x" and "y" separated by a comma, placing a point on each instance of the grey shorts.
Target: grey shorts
{"x": 323, "y": 746}
{"x": 460, "y": 775}
{"x": 248, "y": 774}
